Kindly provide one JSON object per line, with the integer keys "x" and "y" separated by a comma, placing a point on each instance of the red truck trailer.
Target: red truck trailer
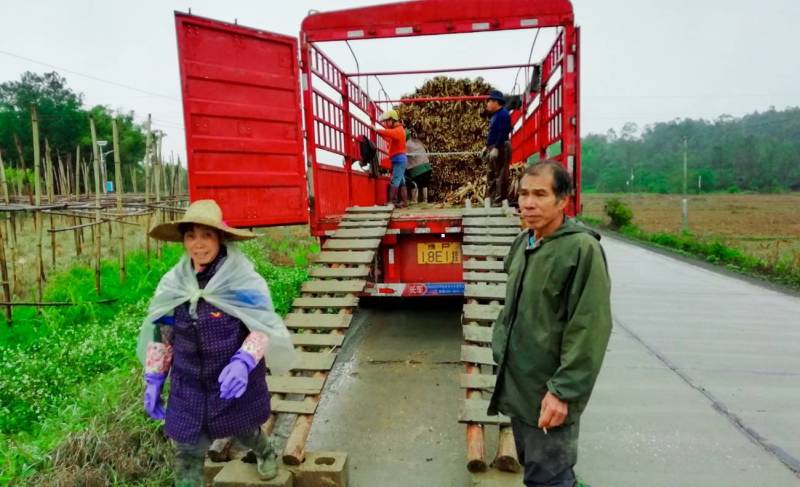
{"x": 272, "y": 124}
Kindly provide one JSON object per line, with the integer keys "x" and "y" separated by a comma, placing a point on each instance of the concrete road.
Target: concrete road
{"x": 701, "y": 384}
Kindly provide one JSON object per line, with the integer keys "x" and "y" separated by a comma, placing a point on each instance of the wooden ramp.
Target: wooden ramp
{"x": 321, "y": 317}
{"x": 488, "y": 234}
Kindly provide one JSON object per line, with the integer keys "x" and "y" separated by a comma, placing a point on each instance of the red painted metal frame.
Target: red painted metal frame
{"x": 331, "y": 125}
{"x": 442, "y": 70}
{"x": 243, "y": 155}
{"x": 434, "y": 17}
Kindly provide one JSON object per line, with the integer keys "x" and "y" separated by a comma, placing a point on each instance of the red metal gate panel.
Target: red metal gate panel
{"x": 241, "y": 105}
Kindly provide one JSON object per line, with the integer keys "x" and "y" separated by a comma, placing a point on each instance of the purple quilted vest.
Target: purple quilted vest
{"x": 202, "y": 348}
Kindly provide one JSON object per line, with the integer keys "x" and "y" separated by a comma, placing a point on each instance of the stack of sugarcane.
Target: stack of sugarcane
{"x": 451, "y": 127}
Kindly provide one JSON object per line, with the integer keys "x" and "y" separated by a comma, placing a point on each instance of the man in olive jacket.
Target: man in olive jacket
{"x": 550, "y": 339}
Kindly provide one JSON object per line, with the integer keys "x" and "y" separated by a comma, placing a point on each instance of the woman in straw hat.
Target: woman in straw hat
{"x": 211, "y": 327}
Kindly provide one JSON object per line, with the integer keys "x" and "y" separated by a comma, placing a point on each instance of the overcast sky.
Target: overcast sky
{"x": 642, "y": 61}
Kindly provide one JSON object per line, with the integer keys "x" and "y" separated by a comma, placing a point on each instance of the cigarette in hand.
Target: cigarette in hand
{"x": 545, "y": 430}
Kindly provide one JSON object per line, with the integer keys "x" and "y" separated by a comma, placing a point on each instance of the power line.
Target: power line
{"x": 88, "y": 76}
{"x": 530, "y": 57}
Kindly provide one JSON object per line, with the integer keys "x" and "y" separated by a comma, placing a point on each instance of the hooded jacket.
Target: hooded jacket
{"x": 555, "y": 325}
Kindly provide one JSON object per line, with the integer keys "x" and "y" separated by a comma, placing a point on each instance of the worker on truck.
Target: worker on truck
{"x": 419, "y": 170}
{"x": 395, "y": 135}
{"x": 497, "y": 153}
{"x": 550, "y": 339}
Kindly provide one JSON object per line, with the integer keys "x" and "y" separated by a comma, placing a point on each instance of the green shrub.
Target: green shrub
{"x": 619, "y": 213}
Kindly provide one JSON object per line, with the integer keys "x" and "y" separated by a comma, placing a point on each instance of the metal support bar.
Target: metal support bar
{"x": 442, "y": 70}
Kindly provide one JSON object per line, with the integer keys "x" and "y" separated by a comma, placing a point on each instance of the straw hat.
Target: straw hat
{"x": 203, "y": 212}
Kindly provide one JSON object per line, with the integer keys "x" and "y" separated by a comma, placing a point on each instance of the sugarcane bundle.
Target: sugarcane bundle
{"x": 451, "y": 127}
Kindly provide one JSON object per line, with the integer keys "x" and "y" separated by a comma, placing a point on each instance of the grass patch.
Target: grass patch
{"x": 70, "y": 385}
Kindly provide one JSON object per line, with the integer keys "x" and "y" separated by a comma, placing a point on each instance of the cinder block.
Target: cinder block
{"x": 322, "y": 469}
{"x": 211, "y": 469}
{"x": 495, "y": 478}
{"x": 239, "y": 474}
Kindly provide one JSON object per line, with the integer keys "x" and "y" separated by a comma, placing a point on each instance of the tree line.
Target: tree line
{"x": 758, "y": 152}
{"x": 64, "y": 125}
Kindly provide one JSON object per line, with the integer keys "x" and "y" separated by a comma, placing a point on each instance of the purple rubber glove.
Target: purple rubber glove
{"x": 154, "y": 383}
{"x": 233, "y": 379}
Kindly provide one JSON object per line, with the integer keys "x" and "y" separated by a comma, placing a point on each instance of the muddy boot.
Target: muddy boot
{"x": 414, "y": 195}
{"x": 266, "y": 458}
{"x": 189, "y": 471}
{"x": 403, "y": 197}
{"x": 424, "y": 195}
{"x": 393, "y": 195}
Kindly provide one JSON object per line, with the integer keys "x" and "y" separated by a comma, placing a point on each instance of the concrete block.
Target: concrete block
{"x": 322, "y": 469}
{"x": 240, "y": 474}
{"x": 211, "y": 469}
{"x": 495, "y": 478}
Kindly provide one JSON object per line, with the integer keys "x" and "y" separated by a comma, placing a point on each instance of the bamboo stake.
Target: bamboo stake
{"x": 48, "y": 180}
{"x": 37, "y": 215}
{"x": 77, "y": 172}
{"x": 119, "y": 190}
{"x": 63, "y": 187}
{"x": 133, "y": 180}
{"x": 3, "y": 265}
{"x": 147, "y": 143}
{"x": 4, "y": 272}
{"x": 86, "y": 186}
{"x": 96, "y": 164}
{"x": 11, "y": 228}
{"x": 157, "y": 177}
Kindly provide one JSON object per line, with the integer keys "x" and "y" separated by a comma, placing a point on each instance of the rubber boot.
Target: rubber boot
{"x": 189, "y": 471}
{"x": 403, "y": 197}
{"x": 266, "y": 458}
{"x": 414, "y": 195}
{"x": 424, "y": 195}
{"x": 393, "y": 195}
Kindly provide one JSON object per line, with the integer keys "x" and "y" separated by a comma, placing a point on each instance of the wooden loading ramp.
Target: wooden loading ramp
{"x": 320, "y": 318}
{"x": 488, "y": 234}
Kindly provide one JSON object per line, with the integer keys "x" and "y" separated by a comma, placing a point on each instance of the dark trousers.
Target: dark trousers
{"x": 497, "y": 179}
{"x": 547, "y": 459}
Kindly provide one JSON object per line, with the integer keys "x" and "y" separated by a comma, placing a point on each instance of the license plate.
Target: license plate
{"x": 439, "y": 253}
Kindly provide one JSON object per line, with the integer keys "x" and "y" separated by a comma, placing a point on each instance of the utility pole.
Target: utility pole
{"x": 685, "y": 202}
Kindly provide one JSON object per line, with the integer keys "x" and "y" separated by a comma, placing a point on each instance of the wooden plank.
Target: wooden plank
{"x": 333, "y": 287}
{"x": 490, "y": 211}
{"x": 477, "y": 334}
{"x": 324, "y": 303}
{"x": 492, "y": 231}
{"x": 370, "y": 209}
{"x": 344, "y": 257}
{"x": 366, "y": 216}
{"x": 475, "y": 354}
{"x": 294, "y": 407}
{"x": 283, "y": 384}
{"x": 485, "y": 250}
{"x": 489, "y": 239}
{"x": 478, "y": 381}
{"x": 481, "y": 312}
{"x": 485, "y": 291}
{"x": 485, "y": 277}
{"x": 474, "y": 411}
{"x": 351, "y": 244}
{"x": 483, "y": 265}
{"x": 492, "y": 221}
{"x": 339, "y": 272}
{"x": 359, "y": 232}
{"x": 317, "y": 340}
{"x": 362, "y": 224}
{"x": 320, "y": 321}
{"x": 316, "y": 361}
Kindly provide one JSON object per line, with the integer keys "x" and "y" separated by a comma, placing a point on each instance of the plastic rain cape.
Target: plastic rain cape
{"x": 237, "y": 290}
